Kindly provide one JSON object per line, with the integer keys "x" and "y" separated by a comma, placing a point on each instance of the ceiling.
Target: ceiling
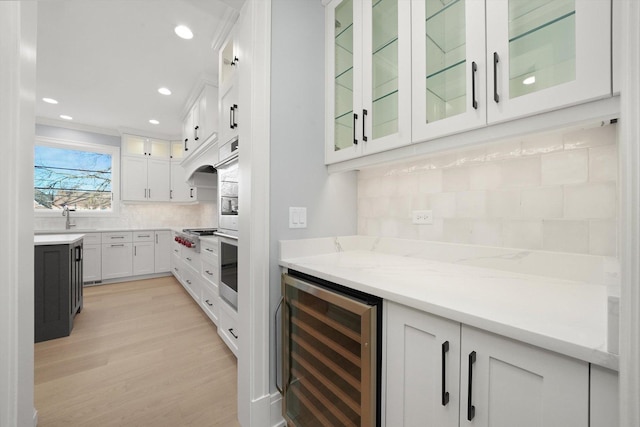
{"x": 104, "y": 60}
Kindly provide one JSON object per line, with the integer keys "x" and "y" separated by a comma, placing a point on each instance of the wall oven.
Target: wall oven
{"x": 332, "y": 350}
{"x": 228, "y": 269}
{"x": 228, "y": 184}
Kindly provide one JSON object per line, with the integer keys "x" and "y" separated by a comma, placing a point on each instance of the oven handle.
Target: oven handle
{"x": 234, "y": 157}
{"x": 275, "y": 322}
{"x": 228, "y": 236}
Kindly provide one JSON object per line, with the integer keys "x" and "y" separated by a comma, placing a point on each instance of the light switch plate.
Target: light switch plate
{"x": 423, "y": 217}
{"x": 297, "y": 217}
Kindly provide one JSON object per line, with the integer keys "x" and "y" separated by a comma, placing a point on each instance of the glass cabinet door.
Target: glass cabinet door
{"x": 545, "y": 54}
{"x": 386, "y": 114}
{"x": 343, "y": 25}
{"x": 448, "y": 67}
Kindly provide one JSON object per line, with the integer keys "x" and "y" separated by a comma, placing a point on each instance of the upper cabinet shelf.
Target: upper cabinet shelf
{"x": 402, "y": 71}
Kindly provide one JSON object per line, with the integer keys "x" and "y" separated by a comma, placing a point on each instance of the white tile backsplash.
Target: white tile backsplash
{"x": 555, "y": 191}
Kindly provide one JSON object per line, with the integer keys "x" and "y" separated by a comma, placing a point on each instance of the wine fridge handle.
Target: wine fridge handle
{"x": 275, "y": 322}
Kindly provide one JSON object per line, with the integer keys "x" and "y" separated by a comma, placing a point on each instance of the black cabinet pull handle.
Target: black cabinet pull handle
{"x": 208, "y": 303}
{"x": 231, "y": 332}
{"x": 191, "y": 192}
{"x": 474, "y": 102}
{"x": 496, "y": 59}
{"x": 231, "y": 117}
{"x": 355, "y": 117}
{"x": 471, "y": 410}
{"x": 364, "y": 116}
{"x": 195, "y": 130}
{"x": 185, "y": 144}
{"x": 235, "y": 61}
{"x": 445, "y": 393}
{"x": 234, "y": 124}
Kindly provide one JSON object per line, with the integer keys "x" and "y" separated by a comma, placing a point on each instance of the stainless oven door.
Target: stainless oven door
{"x": 228, "y": 269}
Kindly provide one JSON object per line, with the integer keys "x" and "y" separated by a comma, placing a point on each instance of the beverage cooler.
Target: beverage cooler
{"x": 331, "y": 346}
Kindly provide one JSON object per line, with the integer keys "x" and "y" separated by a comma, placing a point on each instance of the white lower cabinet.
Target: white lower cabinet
{"x": 228, "y": 327}
{"x": 92, "y": 257}
{"x": 143, "y": 253}
{"x": 604, "y": 398}
{"x": 441, "y": 373}
{"x": 162, "y": 251}
{"x": 210, "y": 302}
{"x": 117, "y": 260}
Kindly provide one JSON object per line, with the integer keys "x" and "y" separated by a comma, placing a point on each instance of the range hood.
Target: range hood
{"x": 204, "y": 176}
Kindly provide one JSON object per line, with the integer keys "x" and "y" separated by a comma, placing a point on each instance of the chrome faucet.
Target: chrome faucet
{"x": 67, "y": 213}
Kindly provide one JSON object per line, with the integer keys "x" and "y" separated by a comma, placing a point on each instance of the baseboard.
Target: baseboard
{"x": 126, "y": 279}
{"x": 276, "y": 411}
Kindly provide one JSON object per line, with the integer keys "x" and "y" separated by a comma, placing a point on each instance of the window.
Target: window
{"x": 83, "y": 176}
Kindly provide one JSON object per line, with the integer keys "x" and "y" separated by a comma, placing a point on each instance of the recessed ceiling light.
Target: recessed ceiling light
{"x": 184, "y": 32}
{"x": 50, "y": 100}
{"x": 529, "y": 80}
{"x": 164, "y": 91}
{"x": 64, "y": 116}
{"x": 154, "y": 122}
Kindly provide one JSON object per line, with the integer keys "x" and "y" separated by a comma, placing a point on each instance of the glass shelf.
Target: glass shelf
{"x": 343, "y": 81}
{"x": 446, "y": 92}
{"x": 542, "y": 46}
{"x": 385, "y": 112}
{"x": 445, "y": 70}
{"x": 445, "y": 24}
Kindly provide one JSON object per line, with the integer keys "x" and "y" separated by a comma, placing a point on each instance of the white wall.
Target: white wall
{"x": 298, "y": 174}
{"x": 555, "y": 192}
{"x": 17, "y": 117}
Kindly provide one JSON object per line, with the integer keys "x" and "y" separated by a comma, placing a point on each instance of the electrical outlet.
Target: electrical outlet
{"x": 423, "y": 217}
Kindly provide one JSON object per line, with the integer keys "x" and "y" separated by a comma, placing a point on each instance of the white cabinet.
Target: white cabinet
{"x": 423, "y": 353}
{"x": 229, "y": 111}
{"x": 201, "y": 121}
{"x": 92, "y": 257}
{"x": 507, "y": 383}
{"x": 145, "y": 169}
{"x": 143, "y": 252}
{"x": 162, "y": 251}
{"x": 487, "y": 377}
{"x": 228, "y": 327}
{"x": 539, "y": 55}
{"x": 543, "y": 55}
{"x": 604, "y": 399}
{"x": 369, "y": 77}
{"x": 449, "y": 70}
{"x": 117, "y": 255}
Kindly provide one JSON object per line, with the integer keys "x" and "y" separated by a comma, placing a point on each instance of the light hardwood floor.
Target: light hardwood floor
{"x": 140, "y": 354}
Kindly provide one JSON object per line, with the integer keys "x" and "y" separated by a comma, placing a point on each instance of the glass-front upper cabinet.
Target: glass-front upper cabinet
{"x": 545, "y": 54}
{"x": 448, "y": 50}
{"x": 369, "y": 73}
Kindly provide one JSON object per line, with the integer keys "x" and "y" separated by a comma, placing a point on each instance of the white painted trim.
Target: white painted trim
{"x": 76, "y": 126}
{"x": 629, "y": 155}
{"x": 229, "y": 19}
{"x": 18, "y": 21}
{"x": 254, "y": 81}
{"x": 276, "y": 411}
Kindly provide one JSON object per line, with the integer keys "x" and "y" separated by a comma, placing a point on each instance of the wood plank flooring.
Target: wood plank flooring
{"x": 140, "y": 354}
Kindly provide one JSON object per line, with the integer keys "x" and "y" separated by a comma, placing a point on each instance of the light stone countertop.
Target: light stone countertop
{"x": 56, "y": 239}
{"x": 557, "y": 314}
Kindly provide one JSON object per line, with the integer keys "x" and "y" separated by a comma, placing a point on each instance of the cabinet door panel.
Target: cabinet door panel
{"x": 548, "y": 55}
{"x": 158, "y": 180}
{"x": 92, "y": 263}
{"x": 143, "y": 258}
{"x": 414, "y": 368}
{"x": 134, "y": 178}
{"x": 162, "y": 256}
{"x": 515, "y": 384}
{"x": 448, "y": 54}
{"x": 117, "y": 260}
{"x": 344, "y": 96}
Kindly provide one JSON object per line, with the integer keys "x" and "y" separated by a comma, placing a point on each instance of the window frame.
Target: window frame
{"x": 112, "y": 150}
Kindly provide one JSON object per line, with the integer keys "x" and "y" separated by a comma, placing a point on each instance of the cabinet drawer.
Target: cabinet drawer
{"x": 192, "y": 259}
{"x": 117, "y": 237}
{"x": 228, "y": 326}
{"x": 209, "y": 248}
{"x": 210, "y": 272}
{"x": 92, "y": 238}
{"x": 143, "y": 236}
{"x": 210, "y": 303}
